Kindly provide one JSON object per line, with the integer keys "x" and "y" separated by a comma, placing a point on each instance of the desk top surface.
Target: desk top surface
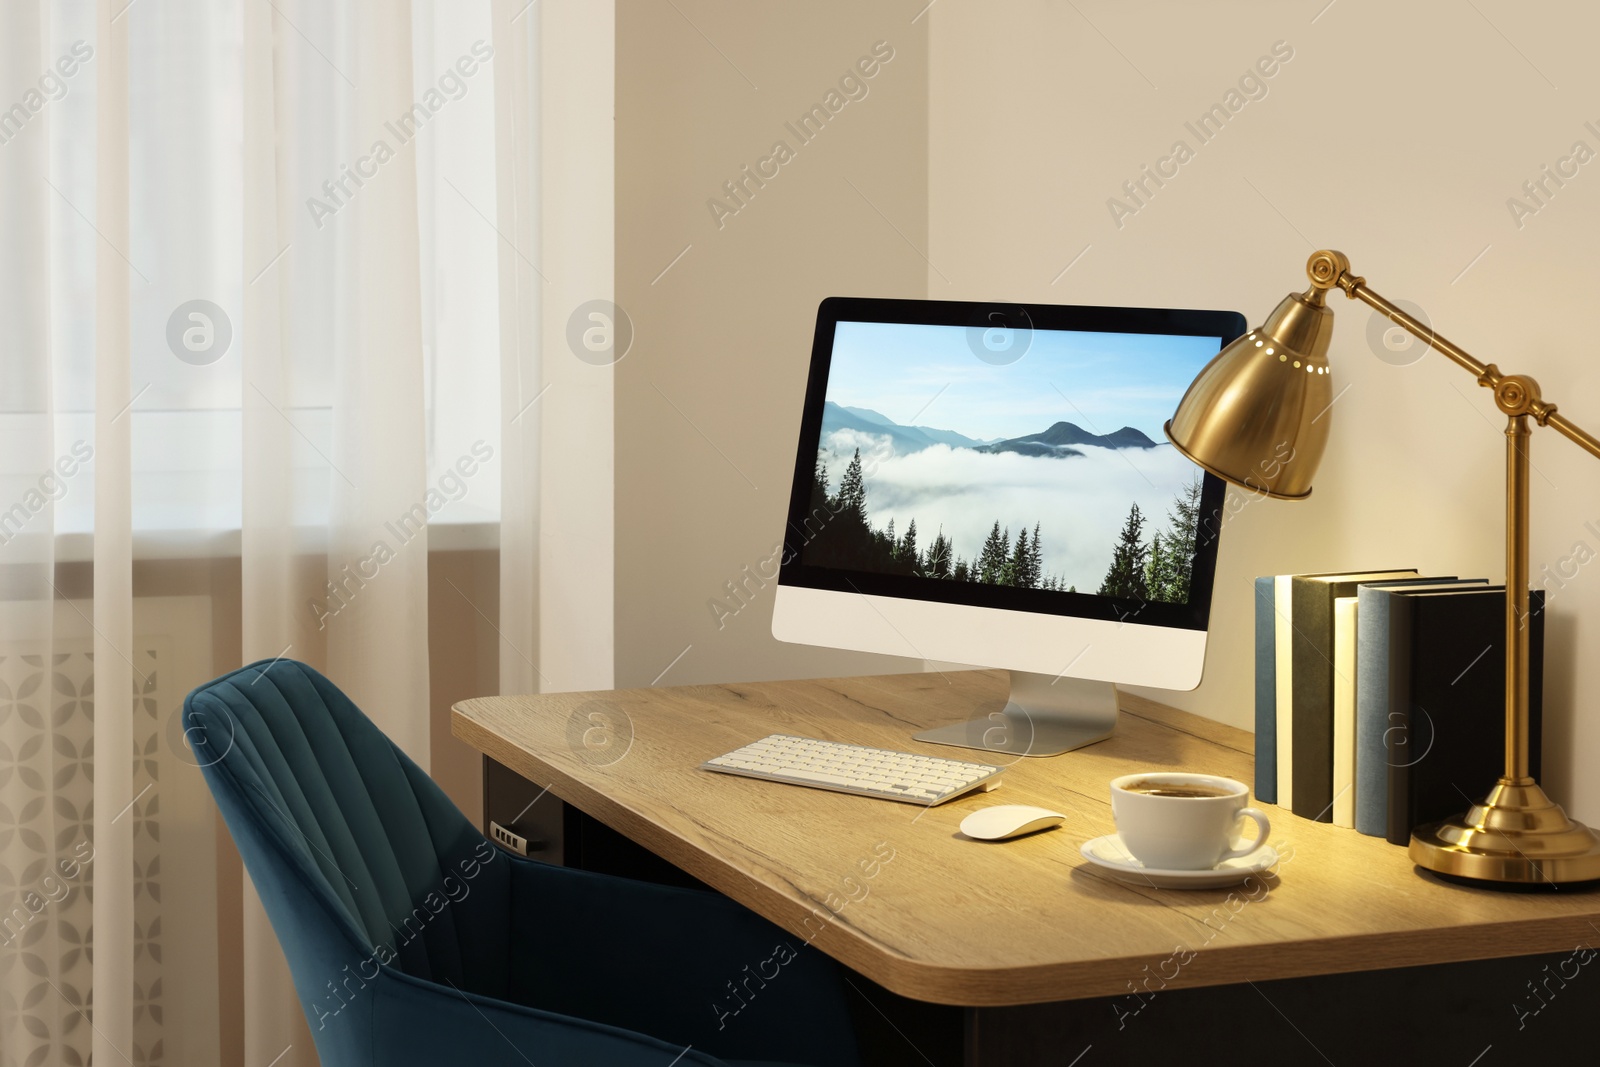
{"x": 897, "y": 893}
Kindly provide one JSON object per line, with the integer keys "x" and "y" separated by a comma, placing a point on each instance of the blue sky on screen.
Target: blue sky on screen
{"x": 1100, "y": 381}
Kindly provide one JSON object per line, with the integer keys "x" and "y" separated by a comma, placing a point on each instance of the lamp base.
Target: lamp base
{"x": 1516, "y": 835}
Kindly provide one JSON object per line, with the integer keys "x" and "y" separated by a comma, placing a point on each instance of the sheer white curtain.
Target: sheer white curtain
{"x": 269, "y": 270}
{"x": 357, "y": 237}
{"x": 250, "y": 281}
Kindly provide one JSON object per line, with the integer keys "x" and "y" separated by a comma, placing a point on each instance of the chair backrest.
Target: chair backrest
{"x": 360, "y": 859}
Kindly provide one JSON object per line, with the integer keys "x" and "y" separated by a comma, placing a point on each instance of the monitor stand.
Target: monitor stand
{"x": 1045, "y": 716}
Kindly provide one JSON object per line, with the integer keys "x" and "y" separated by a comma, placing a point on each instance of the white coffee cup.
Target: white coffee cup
{"x": 1184, "y": 833}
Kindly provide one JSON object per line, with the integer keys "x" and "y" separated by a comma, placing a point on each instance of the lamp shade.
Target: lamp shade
{"x": 1258, "y": 414}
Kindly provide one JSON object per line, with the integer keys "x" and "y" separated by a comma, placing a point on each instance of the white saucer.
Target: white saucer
{"x": 1112, "y": 856}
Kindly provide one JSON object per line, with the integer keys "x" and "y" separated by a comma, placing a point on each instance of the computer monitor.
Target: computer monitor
{"x": 989, "y": 484}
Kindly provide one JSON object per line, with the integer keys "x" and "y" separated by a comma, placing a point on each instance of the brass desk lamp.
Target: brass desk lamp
{"x": 1255, "y": 417}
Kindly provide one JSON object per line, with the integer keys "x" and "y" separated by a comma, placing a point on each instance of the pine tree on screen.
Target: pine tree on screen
{"x": 992, "y": 560}
{"x": 1126, "y": 576}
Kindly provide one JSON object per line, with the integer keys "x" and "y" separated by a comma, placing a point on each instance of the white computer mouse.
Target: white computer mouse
{"x": 1009, "y": 820}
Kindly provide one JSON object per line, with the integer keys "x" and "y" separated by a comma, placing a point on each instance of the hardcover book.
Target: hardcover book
{"x": 1312, "y": 653}
{"x": 1266, "y": 785}
{"x": 1283, "y": 682}
{"x": 1447, "y": 680}
{"x": 1373, "y": 713}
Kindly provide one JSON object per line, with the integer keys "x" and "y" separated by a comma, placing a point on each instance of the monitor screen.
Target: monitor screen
{"x": 1007, "y": 456}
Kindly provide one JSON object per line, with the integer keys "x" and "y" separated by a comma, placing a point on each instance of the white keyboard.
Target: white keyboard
{"x": 868, "y": 772}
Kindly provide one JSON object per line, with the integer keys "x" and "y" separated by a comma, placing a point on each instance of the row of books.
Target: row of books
{"x": 1380, "y": 695}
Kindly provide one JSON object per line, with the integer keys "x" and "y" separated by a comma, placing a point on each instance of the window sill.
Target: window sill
{"x": 224, "y": 544}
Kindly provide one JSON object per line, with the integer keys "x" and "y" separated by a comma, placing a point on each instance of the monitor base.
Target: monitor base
{"x": 1045, "y": 716}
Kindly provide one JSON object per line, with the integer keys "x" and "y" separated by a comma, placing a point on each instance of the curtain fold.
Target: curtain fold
{"x": 516, "y": 111}
{"x": 554, "y": 106}
{"x": 377, "y": 645}
{"x": 114, "y": 793}
{"x": 275, "y": 1029}
{"x": 36, "y": 905}
{"x": 575, "y": 64}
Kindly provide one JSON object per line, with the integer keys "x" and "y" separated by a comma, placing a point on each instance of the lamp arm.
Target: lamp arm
{"x": 1518, "y": 397}
{"x": 1515, "y": 394}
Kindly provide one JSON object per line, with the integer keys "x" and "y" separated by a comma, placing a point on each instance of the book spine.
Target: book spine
{"x": 1345, "y": 679}
{"x": 1398, "y": 755}
{"x": 1372, "y": 711}
{"x": 1266, "y": 786}
{"x": 1283, "y": 630}
{"x": 1312, "y": 711}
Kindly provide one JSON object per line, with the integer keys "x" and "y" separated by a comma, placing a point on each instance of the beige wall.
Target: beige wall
{"x": 708, "y": 401}
{"x": 1396, "y": 133}
{"x": 993, "y": 141}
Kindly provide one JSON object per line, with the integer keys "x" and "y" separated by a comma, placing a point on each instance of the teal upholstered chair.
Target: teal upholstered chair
{"x": 413, "y": 940}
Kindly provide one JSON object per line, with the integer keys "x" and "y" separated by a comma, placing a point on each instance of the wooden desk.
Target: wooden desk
{"x": 897, "y": 894}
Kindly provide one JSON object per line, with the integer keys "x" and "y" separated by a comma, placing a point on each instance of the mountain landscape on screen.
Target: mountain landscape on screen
{"x": 1055, "y": 441}
{"x": 1059, "y": 439}
{"x": 1047, "y": 510}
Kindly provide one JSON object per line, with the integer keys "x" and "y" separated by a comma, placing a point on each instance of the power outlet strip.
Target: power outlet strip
{"x": 507, "y": 839}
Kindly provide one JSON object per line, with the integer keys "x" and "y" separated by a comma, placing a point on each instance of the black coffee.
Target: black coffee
{"x": 1178, "y": 789}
